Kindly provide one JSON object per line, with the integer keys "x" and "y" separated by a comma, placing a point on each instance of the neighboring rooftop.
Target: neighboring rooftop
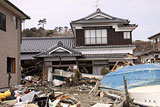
{"x": 149, "y": 52}
{"x": 42, "y": 44}
{"x": 154, "y": 36}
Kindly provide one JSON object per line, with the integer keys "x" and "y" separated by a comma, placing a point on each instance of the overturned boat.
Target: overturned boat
{"x": 143, "y": 83}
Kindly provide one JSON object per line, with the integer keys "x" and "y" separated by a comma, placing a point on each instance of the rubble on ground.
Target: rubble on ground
{"x": 35, "y": 92}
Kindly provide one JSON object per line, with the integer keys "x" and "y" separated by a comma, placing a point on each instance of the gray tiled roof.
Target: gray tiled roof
{"x": 116, "y": 55}
{"x": 100, "y": 20}
{"x": 42, "y": 44}
{"x": 127, "y": 25}
{"x": 55, "y": 54}
{"x": 27, "y": 56}
{"x": 150, "y": 52}
{"x": 106, "y": 46}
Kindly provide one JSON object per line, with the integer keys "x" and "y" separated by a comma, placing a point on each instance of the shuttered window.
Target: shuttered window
{"x": 96, "y": 36}
{"x": 2, "y": 22}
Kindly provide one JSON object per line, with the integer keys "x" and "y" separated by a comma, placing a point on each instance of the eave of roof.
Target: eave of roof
{"x": 106, "y": 46}
{"x": 154, "y": 36}
{"x": 127, "y": 25}
{"x": 13, "y": 8}
{"x": 149, "y": 52}
{"x": 116, "y": 55}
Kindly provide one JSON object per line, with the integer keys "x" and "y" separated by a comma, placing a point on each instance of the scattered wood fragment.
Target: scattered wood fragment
{"x": 115, "y": 65}
{"x": 94, "y": 90}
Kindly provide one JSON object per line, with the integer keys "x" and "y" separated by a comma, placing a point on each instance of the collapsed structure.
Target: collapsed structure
{"x": 99, "y": 41}
{"x": 153, "y": 55}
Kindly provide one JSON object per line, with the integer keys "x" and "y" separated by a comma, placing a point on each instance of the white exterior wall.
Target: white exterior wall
{"x": 106, "y": 50}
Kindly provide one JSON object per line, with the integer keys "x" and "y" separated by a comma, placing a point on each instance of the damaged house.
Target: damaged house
{"x": 153, "y": 55}
{"x": 10, "y": 39}
{"x": 100, "y": 40}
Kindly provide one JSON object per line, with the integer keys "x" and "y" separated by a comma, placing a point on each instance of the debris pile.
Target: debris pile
{"x": 36, "y": 93}
{"x": 76, "y": 91}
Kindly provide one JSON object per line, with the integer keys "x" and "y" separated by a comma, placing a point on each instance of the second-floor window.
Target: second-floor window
{"x": 2, "y": 22}
{"x": 96, "y": 36}
{"x": 126, "y": 35}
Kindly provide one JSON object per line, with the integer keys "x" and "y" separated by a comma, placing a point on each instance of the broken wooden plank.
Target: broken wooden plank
{"x": 115, "y": 65}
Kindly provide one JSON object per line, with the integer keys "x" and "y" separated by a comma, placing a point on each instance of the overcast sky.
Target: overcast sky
{"x": 144, "y": 13}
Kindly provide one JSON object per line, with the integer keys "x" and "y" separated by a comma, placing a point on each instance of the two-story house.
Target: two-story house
{"x": 100, "y": 40}
{"x": 11, "y": 18}
{"x": 152, "y": 55}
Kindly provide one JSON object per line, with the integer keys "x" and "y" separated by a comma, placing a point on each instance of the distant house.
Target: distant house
{"x": 155, "y": 41}
{"x": 99, "y": 41}
{"x": 152, "y": 55}
{"x": 10, "y": 40}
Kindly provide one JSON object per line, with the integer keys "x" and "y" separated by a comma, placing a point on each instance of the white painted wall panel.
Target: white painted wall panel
{"x": 105, "y": 51}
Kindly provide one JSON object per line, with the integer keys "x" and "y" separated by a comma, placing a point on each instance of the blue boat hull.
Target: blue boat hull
{"x": 136, "y": 76}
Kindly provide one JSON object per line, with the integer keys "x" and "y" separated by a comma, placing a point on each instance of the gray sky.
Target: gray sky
{"x": 144, "y": 13}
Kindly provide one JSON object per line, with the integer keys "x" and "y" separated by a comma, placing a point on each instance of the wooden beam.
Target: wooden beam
{"x": 115, "y": 65}
{"x": 126, "y": 93}
{"x": 126, "y": 63}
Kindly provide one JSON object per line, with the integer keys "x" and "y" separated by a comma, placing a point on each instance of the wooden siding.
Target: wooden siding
{"x": 114, "y": 38}
{"x": 80, "y": 37}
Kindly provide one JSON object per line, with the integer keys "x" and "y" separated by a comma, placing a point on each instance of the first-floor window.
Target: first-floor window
{"x": 126, "y": 35}
{"x": 11, "y": 65}
{"x": 96, "y": 36}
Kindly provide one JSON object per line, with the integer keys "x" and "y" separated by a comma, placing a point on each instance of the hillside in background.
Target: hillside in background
{"x": 41, "y": 32}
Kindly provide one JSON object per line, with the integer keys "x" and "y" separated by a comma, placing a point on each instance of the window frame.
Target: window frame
{"x": 11, "y": 65}
{"x": 2, "y": 22}
{"x": 98, "y": 39}
{"x": 16, "y": 22}
{"x": 126, "y": 35}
